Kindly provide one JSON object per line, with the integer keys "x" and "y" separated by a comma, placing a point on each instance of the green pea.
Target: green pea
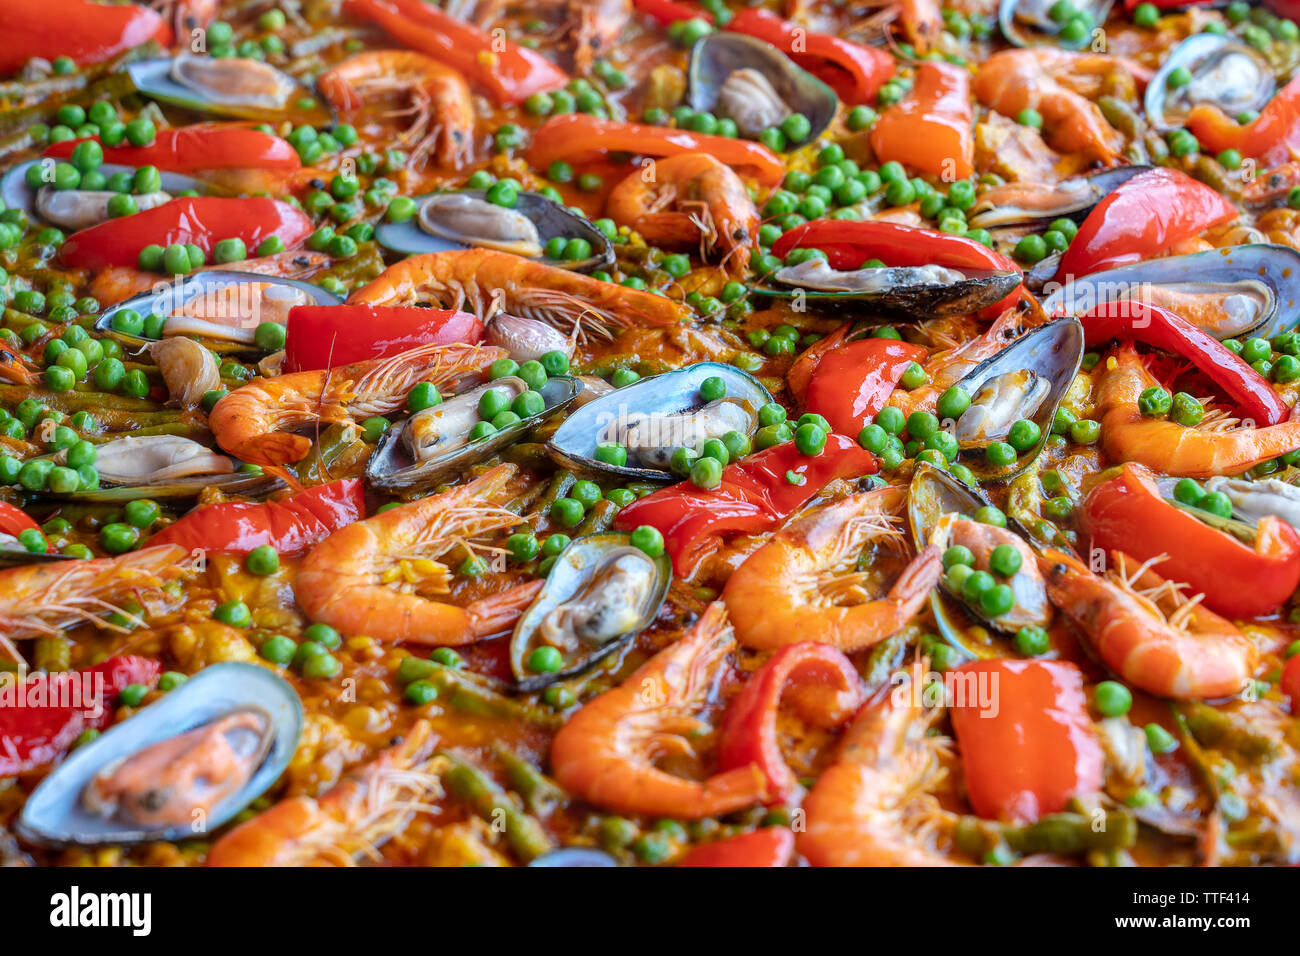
{"x": 545, "y": 660}
{"x": 991, "y": 515}
{"x": 586, "y": 493}
{"x": 423, "y": 395}
{"x": 1085, "y": 431}
{"x": 567, "y": 512}
{"x": 262, "y": 560}
{"x": 1024, "y": 435}
{"x": 527, "y": 404}
{"x": 142, "y": 512}
{"x": 1031, "y": 249}
{"x": 953, "y": 402}
{"x": 523, "y": 546}
{"x": 1032, "y": 641}
{"x": 810, "y": 439}
{"x": 1005, "y": 560}
{"x": 1112, "y": 698}
{"x": 132, "y": 695}
{"x": 1186, "y": 410}
{"x": 1160, "y": 740}
{"x": 555, "y": 363}
{"x": 1216, "y": 503}
{"x": 996, "y": 600}
{"x": 976, "y": 583}
{"x": 913, "y": 376}
{"x": 1154, "y": 402}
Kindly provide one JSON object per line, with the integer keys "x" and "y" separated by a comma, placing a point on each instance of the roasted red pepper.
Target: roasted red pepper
{"x": 1027, "y": 743}
{"x": 1158, "y": 327}
{"x": 819, "y": 681}
{"x": 1127, "y": 513}
{"x": 202, "y": 220}
{"x": 289, "y": 526}
{"x": 87, "y": 32}
{"x": 1290, "y": 682}
{"x": 852, "y": 382}
{"x": 854, "y": 71}
{"x": 327, "y": 336}
{"x": 510, "y": 73}
{"x": 668, "y": 12}
{"x": 1143, "y": 218}
{"x": 755, "y": 495}
{"x": 186, "y": 149}
{"x": 850, "y": 243}
{"x": 40, "y": 718}
{"x": 1273, "y": 137}
{"x": 575, "y": 136}
{"x": 770, "y": 846}
{"x": 932, "y": 129}
{"x": 14, "y": 521}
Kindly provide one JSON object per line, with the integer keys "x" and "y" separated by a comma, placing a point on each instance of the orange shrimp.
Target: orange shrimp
{"x": 872, "y": 806}
{"x": 919, "y": 21}
{"x": 442, "y": 105}
{"x": 372, "y": 576}
{"x": 254, "y": 422}
{"x": 1217, "y": 446}
{"x": 595, "y": 26}
{"x": 1058, "y": 84}
{"x": 15, "y": 367}
{"x": 606, "y": 753}
{"x": 689, "y": 200}
{"x": 488, "y": 282}
{"x": 802, "y": 586}
{"x": 1147, "y": 631}
{"x": 350, "y": 819}
{"x": 119, "y": 283}
{"x": 946, "y": 368}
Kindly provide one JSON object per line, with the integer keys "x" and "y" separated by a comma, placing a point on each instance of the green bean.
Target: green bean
{"x": 607, "y": 366}
{"x": 1121, "y": 116}
{"x": 1208, "y": 170}
{"x": 886, "y": 657}
{"x": 462, "y": 693}
{"x": 109, "y": 87}
{"x": 558, "y": 488}
{"x": 1061, "y": 833}
{"x": 468, "y": 783}
{"x": 528, "y": 454}
{"x": 1214, "y": 728}
{"x": 52, "y": 654}
{"x": 542, "y": 795}
{"x": 599, "y": 518}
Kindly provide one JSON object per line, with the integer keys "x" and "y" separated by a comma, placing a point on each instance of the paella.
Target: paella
{"x": 649, "y": 432}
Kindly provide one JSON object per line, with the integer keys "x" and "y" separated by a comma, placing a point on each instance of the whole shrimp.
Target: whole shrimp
{"x": 1217, "y": 446}
{"x": 689, "y": 200}
{"x": 41, "y": 599}
{"x": 1147, "y": 631}
{"x": 351, "y": 579}
{"x": 920, "y": 21}
{"x": 1058, "y": 84}
{"x": 255, "y": 421}
{"x": 488, "y": 282}
{"x": 872, "y": 806}
{"x": 352, "y": 818}
{"x": 606, "y": 753}
{"x": 441, "y": 104}
{"x": 802, "y": 586}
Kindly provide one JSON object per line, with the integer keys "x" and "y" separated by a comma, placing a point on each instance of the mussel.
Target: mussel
{"x": 1224, "y": 72}
{"x": 73, "y": 209}
{"x": 652, "y": 418}
{"x": 178, "y": 769}
{"x": 228, "y": 86}
{"x": 1030, "y": 22}
{"x": 575, "y": 856}
{"x": 465, "y": 218}
{"x": 941, "y": 510}
{"x": 164, "y": 467}
{"x": 220, "y": 309}
{"x": 1018, "y": 204}
{"x": 914, "y": 291}
{"x": 1234, "y": 292}
{"x": 1025, "y": 381}
{"x": 755, "y": 85}
{"x": 601, "y": 592}
{"x": 434, "y": 445}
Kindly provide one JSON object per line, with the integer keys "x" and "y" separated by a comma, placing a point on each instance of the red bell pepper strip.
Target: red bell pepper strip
{"x": 1034, "y": 747}
{"x": 510, "y": 73}
{"x": 14, "y": 521}
{"x": 850, "y": 243}
{"x": 770, "y": 846}
{"x": 289, "y": 526}
{"x": 185, "y": 149}
{"x": 87, "y": 32}
{"x": 327, "y": 336}
{"x": 668, "y": 12}
{"x": 932, "y": 129}
{"x": 853, "y": 382}
{"x": 1158, "y": 327}
{"x": 40, "y": 719}
{"x": 1127, "y": 513}
{"x": 1142, "y": 218}
{"x": 1273, "y": 137}
{"x": 854, "y": 71}
{"x": 755, "y": 495}
{"x": 1290, "y": 682}
{"x": 202, "y": 220}
{"x": 824, "y": 686}
{"x": 577, "y": 135}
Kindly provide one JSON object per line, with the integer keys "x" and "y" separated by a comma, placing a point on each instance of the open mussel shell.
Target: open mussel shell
{"x": 1234, "y": 292}
{"x": 677, "y": 392}
{"x": 756, "y": 85}
{"x": 1028, "y": 22}
{"x": 223, "y": 288}
{"x": 461, "y": 220}
{"x": 1042, "y": 362}
{"x": 16, "y": 194}
{"x": 904, "y": 291}
{"x": 575, "y": 856}
{"x": 1225, "y": 73}
{"x": 55, "y": 814}
{"x": 600, "y": 593}
{"x": 394, "y": 470}
{"x": 229, "y": 86}
{"x": 13, "y": 555}
{"x": 1016, "y": 204}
